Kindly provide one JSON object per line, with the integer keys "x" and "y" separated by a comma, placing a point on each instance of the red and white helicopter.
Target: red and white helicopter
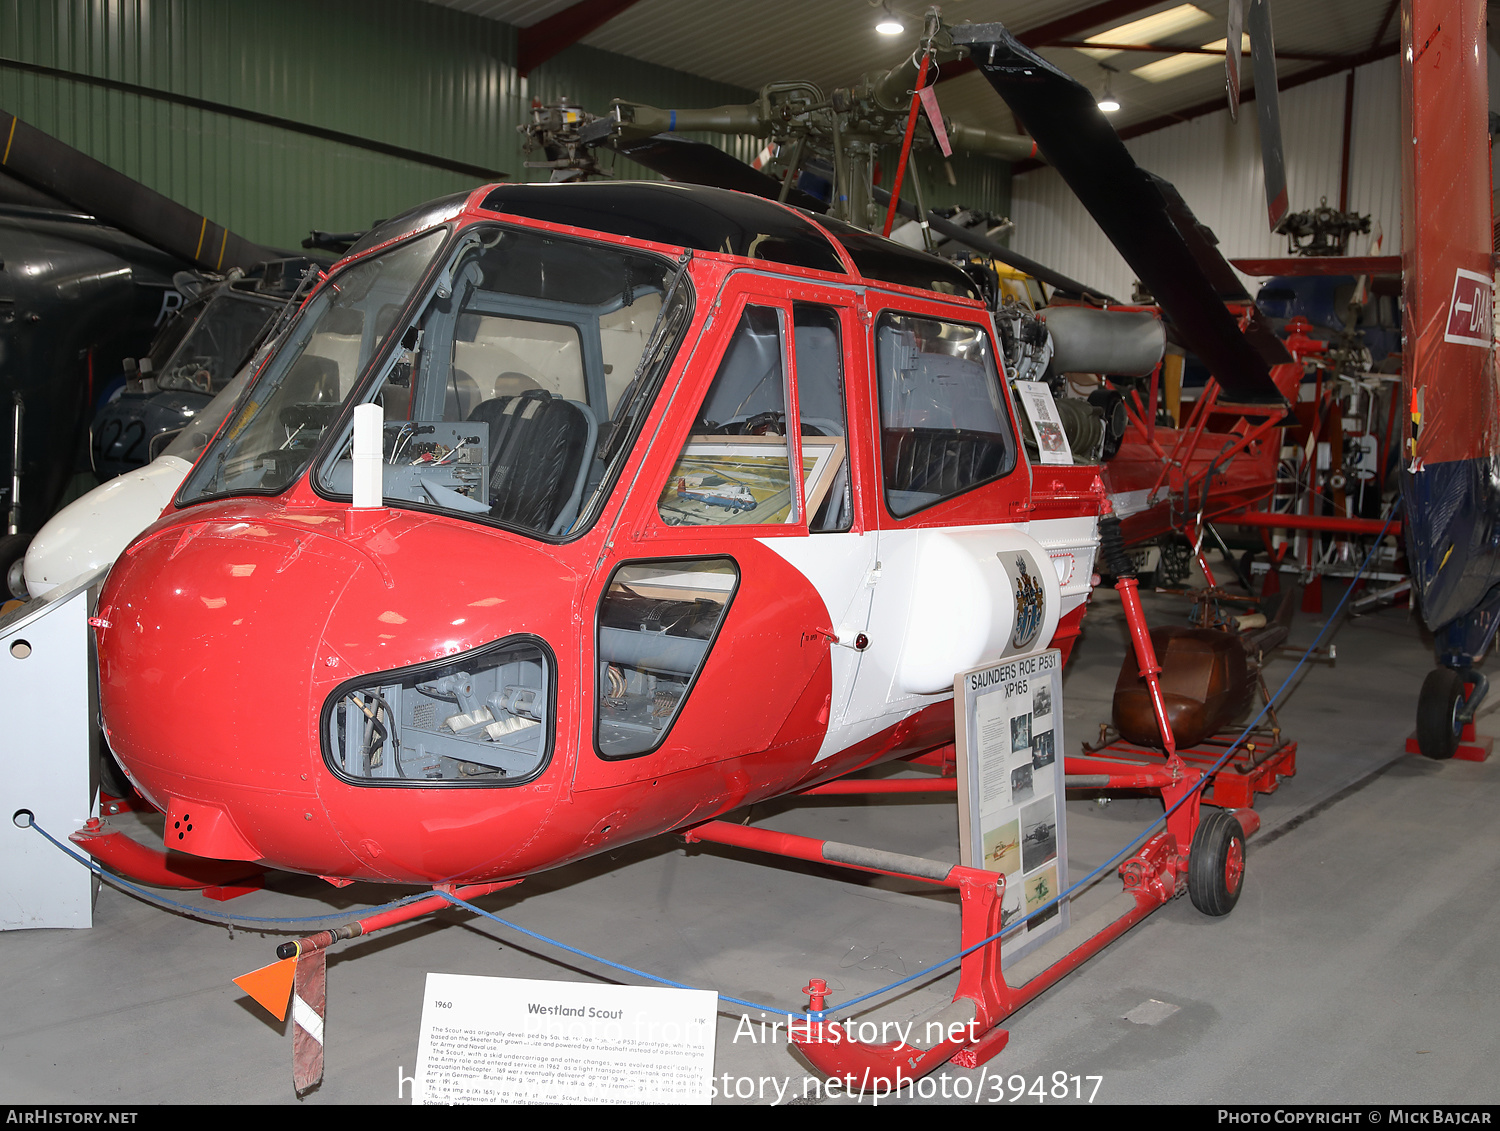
{"x": 539, "y": 644}
{"x": 567, "y": 515}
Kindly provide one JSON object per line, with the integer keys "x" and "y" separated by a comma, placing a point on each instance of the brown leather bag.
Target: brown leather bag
{"x": 1205, "y": 683}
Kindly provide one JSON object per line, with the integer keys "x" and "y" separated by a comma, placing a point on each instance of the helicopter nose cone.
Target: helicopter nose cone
{"x": 212, "y": 630}
{"x": 224, "y": 632}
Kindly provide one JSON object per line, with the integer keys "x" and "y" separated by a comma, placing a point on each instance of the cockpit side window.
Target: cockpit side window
{"x": 501, "y": 404}
{"x": 495, "y": 355}
{"x": 622, "y": 338}
{"x": 735, "y": 466}
{"x": 273, "y": 435}
{"x": 944, "y": 427}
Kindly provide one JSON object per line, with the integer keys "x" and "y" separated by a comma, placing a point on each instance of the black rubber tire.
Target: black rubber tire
{"x": 12, "y": 550}
{"x": 1437, "y": 708}
{"x": 1247, "y": 571}
{"x": 1216, "y": 862}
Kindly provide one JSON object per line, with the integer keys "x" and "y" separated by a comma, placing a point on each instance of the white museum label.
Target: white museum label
{"x": 517, "y": 1041}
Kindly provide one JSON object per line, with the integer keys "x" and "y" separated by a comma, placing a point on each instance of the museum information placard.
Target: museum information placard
{"x": 1046, "y": 423}
{"x": 516, "y": 1041}
{"x": 1010, "y": 790}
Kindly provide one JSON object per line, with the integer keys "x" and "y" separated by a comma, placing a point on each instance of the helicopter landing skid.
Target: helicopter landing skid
{"x": 967, "y": 1032}
{"x": 217, "y": 879}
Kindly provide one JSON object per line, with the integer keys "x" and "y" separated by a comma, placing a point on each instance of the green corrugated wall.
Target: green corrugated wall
{"x": 399, "y": 72}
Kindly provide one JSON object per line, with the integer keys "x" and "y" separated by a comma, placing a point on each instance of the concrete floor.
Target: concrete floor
{"x": 1357, "y": 968}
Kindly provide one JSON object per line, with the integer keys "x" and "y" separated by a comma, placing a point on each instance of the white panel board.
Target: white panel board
{"x": 46, "y": 757}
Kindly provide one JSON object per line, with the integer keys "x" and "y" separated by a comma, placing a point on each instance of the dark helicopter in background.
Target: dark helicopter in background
{"x": 76, "y": 297}
{"x": 191, "y": 360}
{"x": 118, "y": 308}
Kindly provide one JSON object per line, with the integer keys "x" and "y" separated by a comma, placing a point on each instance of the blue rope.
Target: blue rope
{"x": 344, "y": 916}
{"x": 205, "y": 912}
{"x": 208, "y": 913}
{"x": 467, "y": 906}
{"x": 814, "y": 1015}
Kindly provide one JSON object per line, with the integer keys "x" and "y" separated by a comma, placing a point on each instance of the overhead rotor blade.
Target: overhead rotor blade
{"x": 56, "y": 169}
{"x": 1268, "y": 109}
{"x": 1234, "y": 33}
{"x": 980, "y": 243}
{"x": 1203, "y": 245}
{"x": 1164, "y": 245}
{"x": 698, "y": 163}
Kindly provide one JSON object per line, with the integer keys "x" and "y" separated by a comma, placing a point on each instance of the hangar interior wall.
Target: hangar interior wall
{"x": 1215, "y": 164}
{"x": 420, "y": 76}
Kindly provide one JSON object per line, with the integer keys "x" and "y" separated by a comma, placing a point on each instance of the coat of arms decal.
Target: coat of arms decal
{"x": 1031, "y": 605}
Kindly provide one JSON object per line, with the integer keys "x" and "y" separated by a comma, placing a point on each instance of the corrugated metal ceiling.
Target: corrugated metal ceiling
{"x": 833, "y": 43}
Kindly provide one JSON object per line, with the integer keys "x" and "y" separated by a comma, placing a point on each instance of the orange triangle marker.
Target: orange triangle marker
{"x": 271, "y": 986}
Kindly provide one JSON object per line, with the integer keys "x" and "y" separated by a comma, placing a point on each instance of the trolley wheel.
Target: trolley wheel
{"x": 1216, "y": 863}
{"x": 1247, "y": 570}
{"x": 1438, "y": 725}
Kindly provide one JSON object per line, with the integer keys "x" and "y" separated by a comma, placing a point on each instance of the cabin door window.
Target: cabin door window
{"x": 735, "y": 467}
{"x": 944, "y": 427}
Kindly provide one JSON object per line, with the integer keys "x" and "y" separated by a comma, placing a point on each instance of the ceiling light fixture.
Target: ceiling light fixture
{"x": 1174, "y": 65}
{"x": 889, "y": 23}
{"x": 1223, "y": 44}
{"x": 1107, "y": 100}
{"x": 1151, "y": 29}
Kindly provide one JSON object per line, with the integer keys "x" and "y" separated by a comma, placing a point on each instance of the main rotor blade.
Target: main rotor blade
{"x": 698, "y": 163}
{"x": 1268, "y": 108}
{"x": 1164, "y": 245}
{"x": 1234, "y": 33}
{"x": 986, "y": 246}
{"x": 57, "y": 169}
